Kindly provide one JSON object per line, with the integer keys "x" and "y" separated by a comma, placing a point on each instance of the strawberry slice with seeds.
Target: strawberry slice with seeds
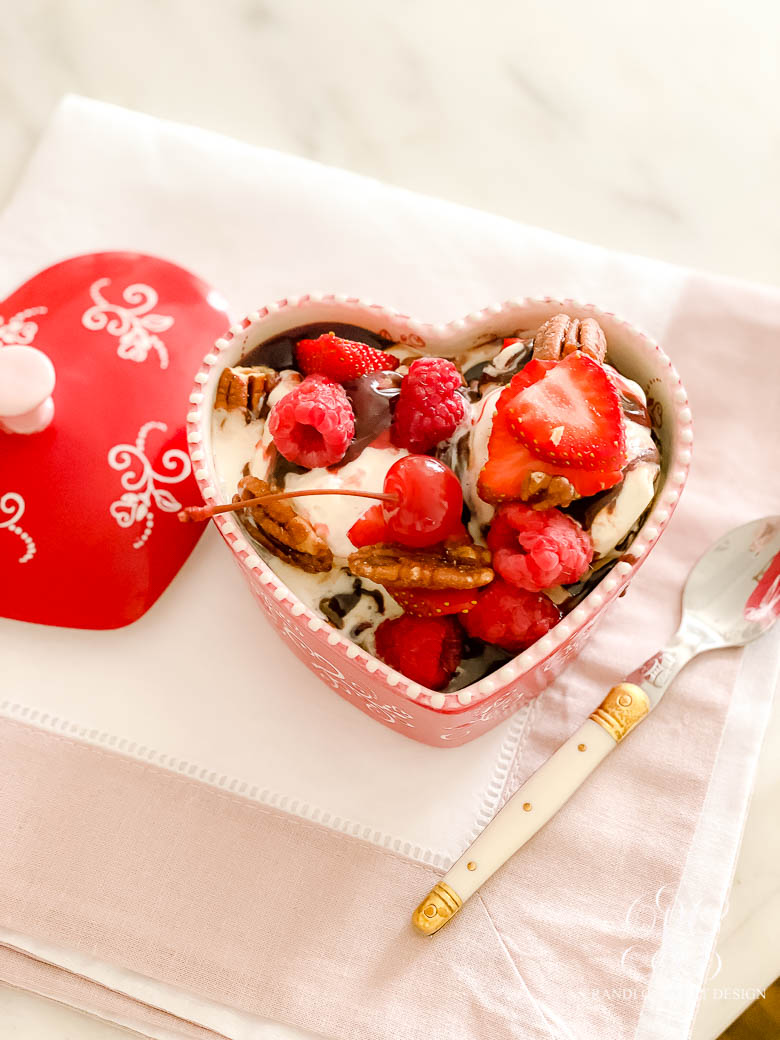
{"x": 509, "y": 462}
{"x": 571, "y": 416}
{"x": 341, "y": 359}
{"x": 433, "y": 602}
{"x": 370, "y": 528}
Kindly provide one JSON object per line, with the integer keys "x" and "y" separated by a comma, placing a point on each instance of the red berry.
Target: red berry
{"x": 340, "y": 359}
{"x": 429, "y": 501}
{"x": 370, "y": 528}
{"x": 425, "y": 650}
{"x": 571, "y": 416}
{"x": 433, "y": 602}
{"x": 313, "y": 424}
{"x": 509, "y": 462}
{"x": 509, "y": 617}
{"x": 538, "y": 548}
{"x": 429, "y": 407}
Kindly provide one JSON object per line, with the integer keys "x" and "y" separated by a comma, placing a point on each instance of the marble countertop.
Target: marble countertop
{"x": 654, "y": 131}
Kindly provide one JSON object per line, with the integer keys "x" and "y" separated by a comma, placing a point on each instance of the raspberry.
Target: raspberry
{"x": 341, "y": 359}
{"x": 509, "y": 617}
{"x": 313, "y": 424}
{"x": 429, "y": 406}
{"x": 426, "y": 650}
{"x": 537, "y": 548}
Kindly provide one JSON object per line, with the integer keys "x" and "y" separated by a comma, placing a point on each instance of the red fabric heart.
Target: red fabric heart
{"x": 88, "y": 530}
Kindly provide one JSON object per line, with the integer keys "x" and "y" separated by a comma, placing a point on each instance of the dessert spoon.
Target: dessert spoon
{"x": 731, "y": 597}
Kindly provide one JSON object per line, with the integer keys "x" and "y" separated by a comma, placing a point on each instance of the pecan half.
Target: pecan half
{"x": 455, "y": 565}
{"x": 245, "y": 388}
{"x": 562, "y": 335}
{"x": 542, "y": 491}
{"x": 281, "y": 530}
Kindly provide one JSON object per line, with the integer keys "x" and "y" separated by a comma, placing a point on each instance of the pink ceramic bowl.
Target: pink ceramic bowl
{"x": 439, "y": 719}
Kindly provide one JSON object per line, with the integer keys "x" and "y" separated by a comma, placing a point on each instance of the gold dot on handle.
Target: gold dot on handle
{"x": 430, "y": 910}
{"x": 471, "y": 866}
{"x": 624, "y": 700}
{"x": 582, "y": 747}
{"x": 527, "y": 806}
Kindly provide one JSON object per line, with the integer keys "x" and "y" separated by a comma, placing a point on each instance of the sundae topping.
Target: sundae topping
{"x": 536, "y": 549}
{"x": 370, "y": 528}
{"x": 513, "y": 470}
{"x": 510, "y": 617}
{"x": 278, "y": 527}
{"x": 340, "y": 359}
{"x": 333, "y": 515}
{"x": 428, "y": 505}
{"x": 313, "y": 424}
{"x": 455, "y": 564}
{"x": 543, "y": 491}
{"x": 338, "y": 606}
{"x": 245, "y": 388}
{"x": 515, "y": 353}
{"x": 618, "y": 515}
{"x": 433, "y": 602}
{"x": 561, "y": 335}
{"x": 569, "y": 413}
{"x": 430, "y": 406}
{"x": 426, "y": 650}
{"x": 373, "y": 397}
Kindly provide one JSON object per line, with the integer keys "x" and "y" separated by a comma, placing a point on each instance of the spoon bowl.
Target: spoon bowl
{"x": 733, "y": 592}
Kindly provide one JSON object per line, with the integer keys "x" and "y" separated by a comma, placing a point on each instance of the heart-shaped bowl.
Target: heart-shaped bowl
{"x": 440, "y": 719}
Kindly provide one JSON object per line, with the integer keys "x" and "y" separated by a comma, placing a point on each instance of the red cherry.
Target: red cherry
{"x": 429, "y": 501}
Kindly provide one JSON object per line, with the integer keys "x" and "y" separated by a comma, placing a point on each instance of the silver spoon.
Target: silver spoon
{"x": 731, "y": 597}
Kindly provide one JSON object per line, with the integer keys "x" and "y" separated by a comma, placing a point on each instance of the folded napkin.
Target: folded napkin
{"x": 196, "y": 854}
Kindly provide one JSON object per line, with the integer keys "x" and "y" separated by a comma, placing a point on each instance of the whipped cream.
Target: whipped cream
{"x": 333, "y": 515}
{"x": 484, "y": 412}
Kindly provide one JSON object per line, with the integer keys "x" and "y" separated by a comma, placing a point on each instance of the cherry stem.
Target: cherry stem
{"x": 194, "y": 514}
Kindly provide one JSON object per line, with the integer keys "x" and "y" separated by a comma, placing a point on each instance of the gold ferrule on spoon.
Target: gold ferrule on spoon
{"x": 441, "y": 903}
{"x": 623, "y": 708}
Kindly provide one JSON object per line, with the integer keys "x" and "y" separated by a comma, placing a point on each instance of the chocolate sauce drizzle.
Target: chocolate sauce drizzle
{"x": 335, "y": 608}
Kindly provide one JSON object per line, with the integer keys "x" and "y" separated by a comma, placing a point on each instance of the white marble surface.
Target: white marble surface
{"x": 650, "y": 128}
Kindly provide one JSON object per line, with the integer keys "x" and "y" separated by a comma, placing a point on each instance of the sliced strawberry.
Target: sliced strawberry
{"x": 370, "y": 528}
{"x": 527, "y": 376}
{"x": 509, "y": 462}
{"x": 341, "y": 359}
{"x": 433, "y": 602}
{"x": 572, "y": 416}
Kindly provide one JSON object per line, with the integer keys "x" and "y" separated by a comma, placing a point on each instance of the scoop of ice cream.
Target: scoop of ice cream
{"x": 614, "y": 520}
{"x": 333, "y": 515}
{"x": 483, "y": 412}
{"x": 613, "y": 514}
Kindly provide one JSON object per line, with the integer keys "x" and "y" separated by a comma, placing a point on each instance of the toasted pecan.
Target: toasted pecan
{"x": 543, "y": 491}
{"x": 282, "y": 531}
{"x": 562, "y": 335}
{"x": 245, "y": 388}
{"x": 455, "y": 565}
